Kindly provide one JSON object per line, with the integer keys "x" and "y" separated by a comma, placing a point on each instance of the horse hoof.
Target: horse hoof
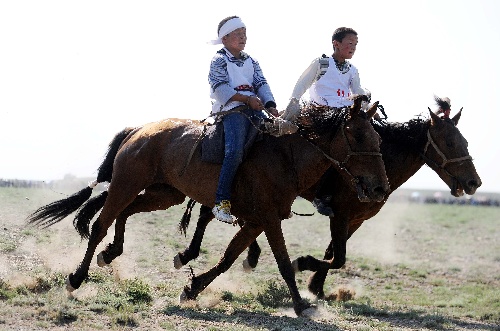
{"x": 183, "y": 297}
{"x": 295, "y": 265}
{"x": 177, "y": 262}
{"x": 69, "y": 287}
{"x": 309, "y": 312}
{"x": 246, "y": 266}
{"x": 100, "y": 260}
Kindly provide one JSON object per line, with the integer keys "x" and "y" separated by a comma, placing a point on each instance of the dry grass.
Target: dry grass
{"x": 412, "y": 267}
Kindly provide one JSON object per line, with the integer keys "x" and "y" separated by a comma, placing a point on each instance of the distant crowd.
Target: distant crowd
{"x": 468, "y": 200}
{"x": 69, "y": 182}
{"x": 24, "y": 183}
{"x": 72, "y": 182}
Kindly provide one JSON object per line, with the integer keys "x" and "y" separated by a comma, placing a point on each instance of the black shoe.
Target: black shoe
{"x": 323, "y": 205}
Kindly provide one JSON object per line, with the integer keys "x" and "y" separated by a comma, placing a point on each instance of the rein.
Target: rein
{"x": 441, "y": 166}
{"x": 342, "y": 164}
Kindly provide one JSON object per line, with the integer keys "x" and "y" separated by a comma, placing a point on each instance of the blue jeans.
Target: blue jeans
{"x": 236, "y": 127}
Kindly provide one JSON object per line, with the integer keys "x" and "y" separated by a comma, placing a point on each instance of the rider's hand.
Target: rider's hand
{"x": 273, "y": 111}
{"x": 254, "y": 103}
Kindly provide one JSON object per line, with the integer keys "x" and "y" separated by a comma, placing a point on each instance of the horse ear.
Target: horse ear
{"x": 457, "y": 116}
{"x": 435, "y": 118}
{"x": 356, "y": 106}
{"x": 372, "y": 110}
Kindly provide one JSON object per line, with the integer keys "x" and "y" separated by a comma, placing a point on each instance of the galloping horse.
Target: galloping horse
{"x": 405, "y": 148}
{"x": 156, "y": 158}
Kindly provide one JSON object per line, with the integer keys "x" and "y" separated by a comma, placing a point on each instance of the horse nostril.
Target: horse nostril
{"x": 473, "y": 183}
{"x": 379, "y": 190}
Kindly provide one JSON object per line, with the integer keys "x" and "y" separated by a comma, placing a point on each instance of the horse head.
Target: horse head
{"x": 446, "y": 153}
{"x": 357, "y": 144}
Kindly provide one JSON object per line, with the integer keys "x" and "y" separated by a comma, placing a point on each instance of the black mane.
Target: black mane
{"x": 442, "y": 103}
{"x": 411, "y": 134}
{"x": 315, "y": 120}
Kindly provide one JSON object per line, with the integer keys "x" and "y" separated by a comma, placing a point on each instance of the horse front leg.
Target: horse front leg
{"x": 240, "y": 241}
{"x": 316, "y": 281}
{"x": 335, "y": 253}
{"x": 193, "y": 250}
{"x": 276, "y": 241}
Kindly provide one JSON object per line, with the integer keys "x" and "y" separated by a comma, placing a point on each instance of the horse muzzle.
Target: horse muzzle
{"x": 370, "y": 193}
{"x": 469, "y": 186}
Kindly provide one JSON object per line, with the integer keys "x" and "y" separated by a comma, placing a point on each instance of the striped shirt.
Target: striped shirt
{"x": 229, "y": 75}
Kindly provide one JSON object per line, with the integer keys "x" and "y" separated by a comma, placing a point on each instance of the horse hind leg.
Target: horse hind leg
{"x": 156, "y": 197}
{"x": 99, "y": 230}
{"x": 193, "y": 250}
{"x": 118, "y": 199}
{"x": 253, "y": 255}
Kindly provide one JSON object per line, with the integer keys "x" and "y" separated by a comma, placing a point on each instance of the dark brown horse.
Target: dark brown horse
{"x": 406, "y": 147}
{"x": 154, "y": 158}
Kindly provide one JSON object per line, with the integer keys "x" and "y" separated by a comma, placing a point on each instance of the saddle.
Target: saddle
{"x": 212, "y": 144}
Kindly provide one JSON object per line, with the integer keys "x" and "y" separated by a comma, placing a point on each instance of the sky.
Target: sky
{"x": 74, "y": 73}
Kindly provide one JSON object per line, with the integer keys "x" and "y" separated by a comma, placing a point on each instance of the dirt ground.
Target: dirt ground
{"x": 26, "y": 253}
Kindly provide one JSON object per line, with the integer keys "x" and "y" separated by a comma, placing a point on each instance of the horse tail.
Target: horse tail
{"x": 105, "y": 170}
{"x": 86, "y": 212}
{"x": 54, "y": 212}
{"x": 186, "y": 217}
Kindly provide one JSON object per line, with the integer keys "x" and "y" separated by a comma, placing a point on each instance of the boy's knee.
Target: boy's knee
{"x": 234, "y": 156}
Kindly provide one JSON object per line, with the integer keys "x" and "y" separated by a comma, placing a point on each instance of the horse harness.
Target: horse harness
{"x": 350, "y": 152}
{"x": 441, "y": 166}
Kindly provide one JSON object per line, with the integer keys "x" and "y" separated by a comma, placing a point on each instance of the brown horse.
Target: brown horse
{"x": 156, "y": 158}
{"x": 405, "y": 147}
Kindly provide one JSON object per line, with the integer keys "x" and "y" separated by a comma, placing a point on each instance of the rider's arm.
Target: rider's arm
{"x": 303, "y": 83}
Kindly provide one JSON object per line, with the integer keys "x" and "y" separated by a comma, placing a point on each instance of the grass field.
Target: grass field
{"x": 412, "y": 267}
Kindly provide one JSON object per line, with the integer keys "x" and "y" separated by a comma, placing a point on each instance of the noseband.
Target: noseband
{"x": 441, "y": 166}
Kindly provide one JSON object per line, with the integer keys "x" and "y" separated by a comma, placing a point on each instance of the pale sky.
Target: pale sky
{"x": 74, "y": 73}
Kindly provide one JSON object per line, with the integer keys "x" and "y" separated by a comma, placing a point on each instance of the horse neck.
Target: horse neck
{"x": 402, "y": 153}
{"x": 309, "y": 162}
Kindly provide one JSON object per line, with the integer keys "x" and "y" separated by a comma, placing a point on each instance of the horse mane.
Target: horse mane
{"x": 407, "y": 134}
{"x": 412, "y": 133}
{"x": 316, "y": 120}
{"x": 442, "y": 103}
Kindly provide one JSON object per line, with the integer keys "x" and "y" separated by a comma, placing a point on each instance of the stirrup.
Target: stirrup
{"x": 323, "y": 205}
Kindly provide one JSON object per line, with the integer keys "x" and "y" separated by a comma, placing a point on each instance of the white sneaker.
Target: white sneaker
{"x": 222, "y": 212}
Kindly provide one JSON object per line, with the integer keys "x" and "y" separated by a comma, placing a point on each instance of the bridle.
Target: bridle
{"x": 342, "y": 164}
{"x": 443, "y": 164}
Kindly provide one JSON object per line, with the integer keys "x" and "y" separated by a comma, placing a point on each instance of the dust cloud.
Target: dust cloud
{"x": 379, "y": 237}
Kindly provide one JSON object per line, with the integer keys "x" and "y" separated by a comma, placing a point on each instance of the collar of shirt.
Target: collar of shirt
{"x": 244, "y": 55}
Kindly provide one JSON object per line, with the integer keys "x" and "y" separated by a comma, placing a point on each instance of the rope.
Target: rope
{"x": 431, "y": 141}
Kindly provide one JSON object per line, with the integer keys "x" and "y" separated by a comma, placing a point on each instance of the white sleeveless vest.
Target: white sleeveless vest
{"x": 237, "y": 76}
{"x": 333, "y": 88}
